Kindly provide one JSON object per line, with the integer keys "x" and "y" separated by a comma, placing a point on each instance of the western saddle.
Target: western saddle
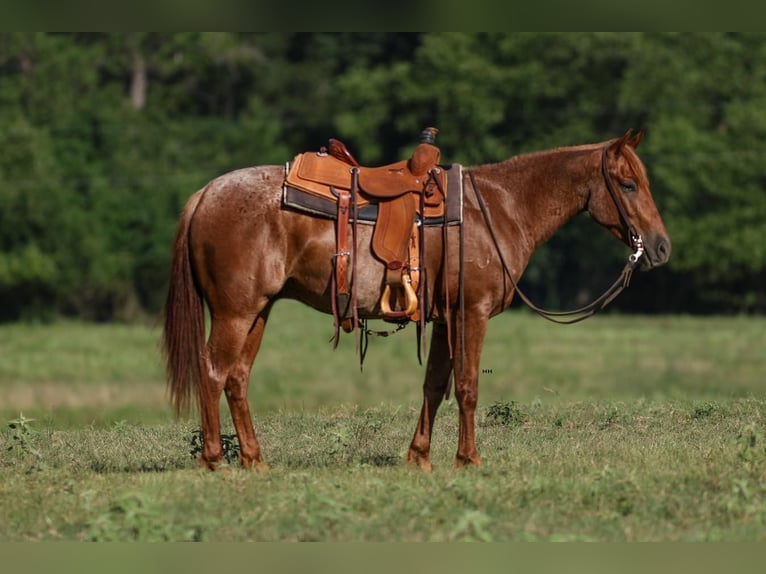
{"x": 405, "y": 194}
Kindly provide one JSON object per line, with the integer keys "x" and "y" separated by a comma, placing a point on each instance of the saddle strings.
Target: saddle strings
{"x": 461, "y": 298}
{"x": 360, "y": 325}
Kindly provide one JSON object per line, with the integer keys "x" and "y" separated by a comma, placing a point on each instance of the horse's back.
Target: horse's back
{"x": 237, "y": 207}
{"x": 248, "y": 191}
{"x": 244, "y": 241}
{"x": 234, "y": 231}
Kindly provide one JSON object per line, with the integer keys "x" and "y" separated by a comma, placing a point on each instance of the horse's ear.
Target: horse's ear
{"x": 617, "y": 146}
{"x": 636, "y": 139}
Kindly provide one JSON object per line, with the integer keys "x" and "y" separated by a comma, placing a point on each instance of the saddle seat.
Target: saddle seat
{"x": 396, "y": 179}
{"x": 320, "y": 172}
{"x": 403, "y": 192}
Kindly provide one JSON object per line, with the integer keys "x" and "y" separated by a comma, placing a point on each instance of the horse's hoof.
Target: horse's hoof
{"x": 257, "y": 467}
{"x": 220, "y": 468}
{"x": 213, "y": 465}
{"x": 253, "y": 463}
{"x": 421, "y": 462}
{"x": 467, "y": 461}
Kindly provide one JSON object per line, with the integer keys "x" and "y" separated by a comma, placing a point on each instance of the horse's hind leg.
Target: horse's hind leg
{"x": 228, "y": 337}
{"x": 236, "y": 395}
{"x": 438, "y": 370}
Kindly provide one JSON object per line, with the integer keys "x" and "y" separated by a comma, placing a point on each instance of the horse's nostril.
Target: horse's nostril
{"x": 663, "y": 249}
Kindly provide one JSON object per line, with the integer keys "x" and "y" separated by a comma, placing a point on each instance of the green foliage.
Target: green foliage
{"x": 105, "y": 135}
{"x": 751, "y": 444}
{"x": 506, "y": 413}
{"x": 133, "y": 517}
{"x": 229, "y": 442}
{"x": 21, "y": 437}
{"x": 21, "y": 445}
{"x": 704, "y": 410}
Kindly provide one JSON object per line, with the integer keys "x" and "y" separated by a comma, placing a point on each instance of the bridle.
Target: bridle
{"x": 576, "y": 315}
{"x": 636, "y": 242}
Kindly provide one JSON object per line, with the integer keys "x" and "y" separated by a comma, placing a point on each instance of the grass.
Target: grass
{"x": 639, "y": 471}
{"x": 72, "y": 373}
{"x": 617, "y": 429}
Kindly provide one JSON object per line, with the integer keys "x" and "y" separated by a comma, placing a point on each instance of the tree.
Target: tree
{"x": 707, "y": 124}
{"x": 105, "y": 135}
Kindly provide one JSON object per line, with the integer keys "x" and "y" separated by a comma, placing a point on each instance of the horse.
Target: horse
{"x": 238, "y": 250}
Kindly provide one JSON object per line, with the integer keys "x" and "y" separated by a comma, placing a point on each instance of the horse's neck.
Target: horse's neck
{"x": 538, "y": 193}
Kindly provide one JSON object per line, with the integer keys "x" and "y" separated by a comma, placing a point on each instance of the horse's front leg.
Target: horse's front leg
{"x": 467, "y": 384}
{"x": 438, "y": 371}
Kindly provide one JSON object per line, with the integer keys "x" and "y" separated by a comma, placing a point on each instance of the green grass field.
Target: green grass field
{"x": 616, "y": 429}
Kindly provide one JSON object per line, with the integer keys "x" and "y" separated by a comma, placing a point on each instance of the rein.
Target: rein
{"x": 576, "y": 315}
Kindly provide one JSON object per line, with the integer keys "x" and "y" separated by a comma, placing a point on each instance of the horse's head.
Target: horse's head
{"x": 623, "y": 203}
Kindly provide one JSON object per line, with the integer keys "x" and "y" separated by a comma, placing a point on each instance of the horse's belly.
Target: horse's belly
{"x": 310, "y": 266}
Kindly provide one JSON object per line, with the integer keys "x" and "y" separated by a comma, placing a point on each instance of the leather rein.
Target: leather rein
{"x": 577, "y": 315}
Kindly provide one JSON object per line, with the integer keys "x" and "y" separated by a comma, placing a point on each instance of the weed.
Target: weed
{"x": 134, "y": 517}
{"x": 611, "y": 417}
{"x": 473, "y": 526}
{"x": 610, "y": 490}
{"x": 750, "y": 444}
{"x": 506, "y": 414}
{"x": 743, "y": 500}
{"x": 353, "y": 436}
{"x": 21, "y": 442}
{"x": 22, "y": 431}
{"x": 704, "y": 410}
{"x": 229, "y": 442}
{"x": 341, "y": 440}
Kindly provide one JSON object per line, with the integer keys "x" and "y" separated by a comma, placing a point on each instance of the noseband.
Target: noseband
{"x": 577, "y": 315}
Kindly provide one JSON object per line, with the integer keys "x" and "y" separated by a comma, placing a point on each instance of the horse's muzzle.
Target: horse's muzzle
{"x": 657, "y": 252}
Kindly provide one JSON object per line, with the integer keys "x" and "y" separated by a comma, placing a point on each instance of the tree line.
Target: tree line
{"x": 103, "y": 136}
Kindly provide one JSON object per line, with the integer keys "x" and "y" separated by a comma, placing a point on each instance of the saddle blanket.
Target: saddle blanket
{"x": 303, "y": 201}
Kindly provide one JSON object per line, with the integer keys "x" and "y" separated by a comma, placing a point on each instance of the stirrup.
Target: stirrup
{"x": 410, "y": 299}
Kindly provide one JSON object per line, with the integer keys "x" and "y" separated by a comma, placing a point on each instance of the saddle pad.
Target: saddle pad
{"x": 319, "y": 205}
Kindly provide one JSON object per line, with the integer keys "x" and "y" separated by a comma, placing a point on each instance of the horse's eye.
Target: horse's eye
{"x": 628, "y": 186}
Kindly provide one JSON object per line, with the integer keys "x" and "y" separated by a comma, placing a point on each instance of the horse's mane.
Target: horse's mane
{"x": 631, "y": 157}
{"x": 533, "y": 155}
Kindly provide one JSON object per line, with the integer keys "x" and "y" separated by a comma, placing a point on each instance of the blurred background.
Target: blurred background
{"x": 103, "y": 136}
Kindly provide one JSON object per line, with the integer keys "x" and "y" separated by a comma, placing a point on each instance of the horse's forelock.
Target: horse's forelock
{"x": 635, "y": 163}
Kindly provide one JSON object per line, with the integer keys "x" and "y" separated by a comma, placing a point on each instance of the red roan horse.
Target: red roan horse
{"x": 239, "y": 250}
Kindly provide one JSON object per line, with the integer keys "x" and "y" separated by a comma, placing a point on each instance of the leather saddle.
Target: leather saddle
{"x": 405, "y": 193}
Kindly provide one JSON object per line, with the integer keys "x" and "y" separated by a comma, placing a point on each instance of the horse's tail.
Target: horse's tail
{"x": 184, "y": 333}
